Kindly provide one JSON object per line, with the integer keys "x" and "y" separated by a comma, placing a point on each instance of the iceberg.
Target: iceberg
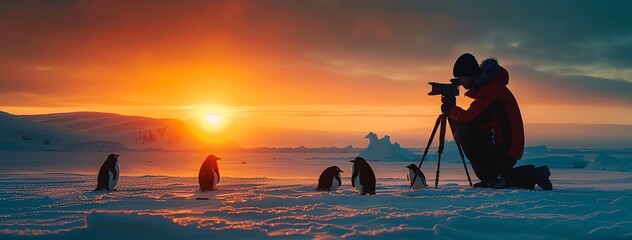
{"x": 383, "y": 150}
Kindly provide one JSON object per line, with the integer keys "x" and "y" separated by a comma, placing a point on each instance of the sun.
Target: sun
{"x": 213, "y": 119}
{"x": 212, "y": 123}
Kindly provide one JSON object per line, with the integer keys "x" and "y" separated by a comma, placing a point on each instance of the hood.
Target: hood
{"x": 491, "y": 71}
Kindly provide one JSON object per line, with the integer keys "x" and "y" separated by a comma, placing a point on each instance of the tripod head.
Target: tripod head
{"x": 447, "y": 91}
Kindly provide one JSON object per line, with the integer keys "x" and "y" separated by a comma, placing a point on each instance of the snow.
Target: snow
{"x": 383, "y": 150}
{"x": 607, "y": 162}
{"x": 277, "y": 199}
{"x": 18, "y": 133}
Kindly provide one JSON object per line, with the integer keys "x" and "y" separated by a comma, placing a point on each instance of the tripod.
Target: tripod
{"x": 441, "y": 120}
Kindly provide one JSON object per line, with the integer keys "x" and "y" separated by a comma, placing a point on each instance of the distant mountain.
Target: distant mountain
{"x": 139, "y": 133}
{"x": 606, "y": 136}
{"x": 21, "y": 134}
{"x": 142, "y": 133}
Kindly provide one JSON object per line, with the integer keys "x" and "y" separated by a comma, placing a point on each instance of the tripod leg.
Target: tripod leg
{"x": 441, "y": 145}
{"x": 434, "y": 131}
{"x": 458, "y": 146}
{"x": 464, "y": 166}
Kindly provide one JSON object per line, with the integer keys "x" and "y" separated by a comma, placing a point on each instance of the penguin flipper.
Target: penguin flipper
{"x": 423, "y": 178}
{"x": 368, "y": 181}
{"x": 113, "y": 170}
{"x": 323, "y": 182}
{"x": 353, "y": 177}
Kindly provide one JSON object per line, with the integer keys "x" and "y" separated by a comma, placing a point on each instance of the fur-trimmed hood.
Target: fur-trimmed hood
{"x": 491, "y": 71}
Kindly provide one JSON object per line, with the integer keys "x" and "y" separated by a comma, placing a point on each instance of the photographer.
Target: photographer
{"x": 490, "y": 131}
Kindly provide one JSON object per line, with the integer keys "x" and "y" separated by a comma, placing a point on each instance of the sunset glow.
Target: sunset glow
{"x": 283, "y": 67}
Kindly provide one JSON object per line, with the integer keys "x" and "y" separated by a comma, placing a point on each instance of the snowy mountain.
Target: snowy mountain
{"x": 20, "y": 134}
{"x": 139, "y": 133}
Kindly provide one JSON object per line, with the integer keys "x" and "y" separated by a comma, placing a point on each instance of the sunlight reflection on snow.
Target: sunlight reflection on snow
{"x": 64, "y": 203}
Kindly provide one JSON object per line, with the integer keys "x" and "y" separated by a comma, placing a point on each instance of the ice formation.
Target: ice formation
{"x": 384, "y": 150}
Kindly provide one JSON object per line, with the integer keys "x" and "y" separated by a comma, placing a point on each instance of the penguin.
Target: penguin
{"x": 209, "y": 174}
{"x": 363, "y": 178}
{"x": 329, "y": 180}
{"x": 420, "y": 181}
{"x": 108, "y": 174}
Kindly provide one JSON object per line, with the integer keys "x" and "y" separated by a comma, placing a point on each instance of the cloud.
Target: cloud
{"x": 547, "y": 87}
{"x": 556, "y": 36}
{"x": 37, "y": 80}
{"x": 308, "y": 52}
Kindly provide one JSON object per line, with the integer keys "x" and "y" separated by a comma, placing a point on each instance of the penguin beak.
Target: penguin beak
{"x": 352, "y": 161}
{"x": 340, "y": 171}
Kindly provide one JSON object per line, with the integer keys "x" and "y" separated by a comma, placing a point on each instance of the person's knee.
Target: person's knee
{"x": 464, "y": 135}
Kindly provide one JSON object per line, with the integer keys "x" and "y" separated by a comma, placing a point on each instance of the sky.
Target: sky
{"x": 319, "y": 65}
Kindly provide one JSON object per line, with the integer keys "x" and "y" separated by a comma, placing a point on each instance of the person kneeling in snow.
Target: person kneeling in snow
{"x": 490, "y": 130}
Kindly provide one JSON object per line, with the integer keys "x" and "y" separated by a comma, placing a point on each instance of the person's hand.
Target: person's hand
{"x": 447, "y": 104}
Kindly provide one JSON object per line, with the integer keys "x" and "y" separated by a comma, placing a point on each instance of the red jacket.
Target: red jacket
{"x": 495, "y": 108}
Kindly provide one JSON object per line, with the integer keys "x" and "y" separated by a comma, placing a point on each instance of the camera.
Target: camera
{"x": 445, "y": 89}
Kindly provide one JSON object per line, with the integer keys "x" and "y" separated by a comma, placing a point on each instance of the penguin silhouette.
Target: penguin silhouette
{"x": 329, "y": 180}
{"x": 415, "y": 183}
{"x": 209, "y": 174}
{"x": 363, "y": 178}
{"x": 108, "y": 174}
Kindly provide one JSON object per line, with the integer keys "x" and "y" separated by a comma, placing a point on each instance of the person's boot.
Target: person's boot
{"x": 482, "y": 185}
{"x": 500, "y": 182}
{"x": 523, "y": 176}
{"x": 542, "y": 174}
